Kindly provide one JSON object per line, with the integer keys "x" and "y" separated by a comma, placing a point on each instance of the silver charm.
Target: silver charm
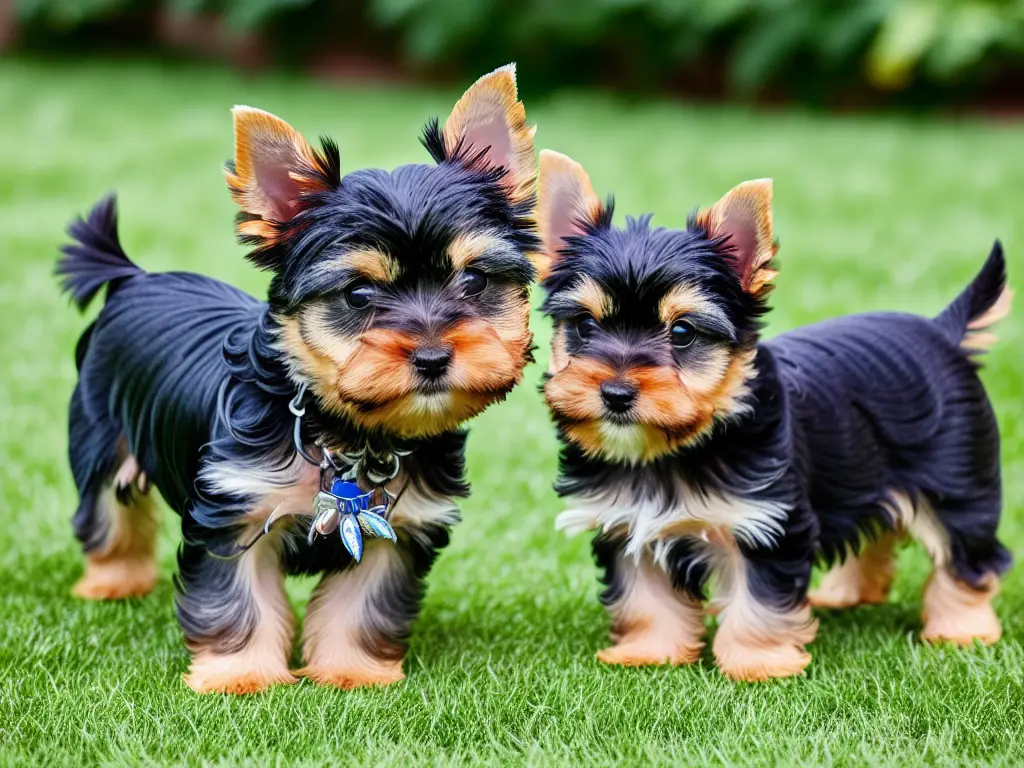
{"x": 375, "y": 525}
{"x": 352, "y": 537}
{"x": 327, "y": 522}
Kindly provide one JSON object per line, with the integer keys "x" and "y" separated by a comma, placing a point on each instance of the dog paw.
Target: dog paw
{"x": 755, "y": 664}
{"x": 637, "y": 653}
{"x": 979, "y": 623}
{"x": 238, "y": 684}
{"x": 847, "y": 596}
{"x": 116, "y": 579}
{"x": 955, "y": 612}
{"x": 251, "y": 670}
{"x": 833, "y": 599}
{"x": 349, "y": 678}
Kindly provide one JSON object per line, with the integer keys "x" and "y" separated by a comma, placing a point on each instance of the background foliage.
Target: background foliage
{"x": 819, "y": 49}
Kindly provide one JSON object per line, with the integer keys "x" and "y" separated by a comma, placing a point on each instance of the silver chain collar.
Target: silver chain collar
{"x": 341, "y": 503}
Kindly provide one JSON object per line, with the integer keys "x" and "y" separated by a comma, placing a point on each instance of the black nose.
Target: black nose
{"x": 618, "y": 396}
{"x": 431, "y": 362}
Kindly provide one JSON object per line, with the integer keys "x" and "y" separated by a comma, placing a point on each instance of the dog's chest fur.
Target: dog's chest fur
{"x": 682, "y": 510}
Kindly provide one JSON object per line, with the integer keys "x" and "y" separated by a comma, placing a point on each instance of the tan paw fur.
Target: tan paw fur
{"x": 377, "y": 674}
{"x": 755, "y": 663}
{"x": 643, "y": 652}
{"x": 652, "y": 622}
{"x": 862, "y": 579}
{"x": 234, "y": 673}
{"x": 757, "y": 645}
{"x": 956, "y": 613}
{"x": 116, "y": 578}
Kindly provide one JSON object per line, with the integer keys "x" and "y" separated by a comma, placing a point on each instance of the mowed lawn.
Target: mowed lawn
{"x": 873, "y": 212}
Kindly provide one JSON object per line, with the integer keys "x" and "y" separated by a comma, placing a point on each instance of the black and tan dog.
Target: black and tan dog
{"x": 399, "y": 303}
{"x": 701, "y": 453}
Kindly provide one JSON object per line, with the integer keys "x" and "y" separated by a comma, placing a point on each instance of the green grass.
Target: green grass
{"x": 872, "y": 212}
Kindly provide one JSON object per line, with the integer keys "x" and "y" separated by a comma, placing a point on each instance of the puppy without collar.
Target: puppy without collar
{"x": 706, "y": 457}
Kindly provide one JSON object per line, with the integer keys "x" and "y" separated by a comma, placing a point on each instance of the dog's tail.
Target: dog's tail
{"x": 969, "y": 319}
{"x": 95, "y": 258}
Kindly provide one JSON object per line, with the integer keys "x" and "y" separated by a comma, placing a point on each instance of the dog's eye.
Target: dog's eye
{"x": 683, "y": 334}
{"x": 360, "y": 295}
{"x": 585, "y": 326}
{"x": 472, "y": 282}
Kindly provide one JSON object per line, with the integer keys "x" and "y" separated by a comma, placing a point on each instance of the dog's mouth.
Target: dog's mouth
{"x": 620, "y": 419}
{"x": 626, "y": 436}
{"x": 424, "y": 411}
{"x": 432, "y": 387}
{"x": 433, "y": 394}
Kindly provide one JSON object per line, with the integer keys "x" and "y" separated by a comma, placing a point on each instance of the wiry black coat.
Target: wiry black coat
{"x": 842, "y": 416}
{"x": 198, "y": 380}
{"x": 184, "y": 372}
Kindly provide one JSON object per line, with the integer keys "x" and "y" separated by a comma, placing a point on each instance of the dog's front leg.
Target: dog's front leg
{"x": 359, "y": 619}
{"x": 764, "y": 618}
{"x": 653, "y": 621}
{"x": 237, "y": 620}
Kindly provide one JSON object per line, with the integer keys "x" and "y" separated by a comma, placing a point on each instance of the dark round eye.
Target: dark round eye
{"x": 473, "y": 281}
{"x": 585, "y": 327}
{"x": 683, "y": 334}
{"x": 360, "y": 295}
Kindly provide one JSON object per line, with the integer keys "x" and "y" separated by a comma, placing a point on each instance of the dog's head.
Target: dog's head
{"x": 403, "y": 296}
{"x": 655, "y": 329}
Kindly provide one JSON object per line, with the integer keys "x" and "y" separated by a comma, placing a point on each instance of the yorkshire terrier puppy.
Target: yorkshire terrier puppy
{"x": 398, "y": 309}
{"x": 700, "y": 453}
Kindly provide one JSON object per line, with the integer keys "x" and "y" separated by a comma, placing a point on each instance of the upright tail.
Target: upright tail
{"x": 969, "y": 319}
{"x": 95, "y": 258}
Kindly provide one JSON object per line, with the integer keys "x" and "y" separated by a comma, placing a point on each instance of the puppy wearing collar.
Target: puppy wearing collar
{"x": 398, "y": 304}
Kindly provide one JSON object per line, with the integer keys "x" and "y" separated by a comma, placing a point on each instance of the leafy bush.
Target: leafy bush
{"x": 943, "y": 40}
{"x": 240, "y": 14}
{"x": 888, "y": 42}
{"x": 740, "y": 46}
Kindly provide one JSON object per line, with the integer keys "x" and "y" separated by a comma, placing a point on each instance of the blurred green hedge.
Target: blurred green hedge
{"x": 740, "y": 47}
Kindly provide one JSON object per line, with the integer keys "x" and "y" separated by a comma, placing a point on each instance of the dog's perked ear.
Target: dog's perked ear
{"x": 487, "y": 128}
{"x": 566, "y": 205}
{"x": 273, "y": 172}
{"x": 743, "y": 221}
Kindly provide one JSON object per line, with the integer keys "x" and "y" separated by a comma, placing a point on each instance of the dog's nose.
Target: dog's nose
{"x": 618, "y": 396}
{"x": 432, "y": 362}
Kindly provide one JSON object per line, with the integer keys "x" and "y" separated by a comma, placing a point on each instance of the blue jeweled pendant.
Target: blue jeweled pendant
{"x": 350, "y": 510}
{"x": 355, "y": 498}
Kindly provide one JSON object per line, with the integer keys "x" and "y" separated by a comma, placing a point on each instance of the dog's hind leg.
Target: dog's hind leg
{"x": 116, "y": 519}
{"x": 968, "y": 559}
{"x": 122, "y": 561}
{"x": 653, "y": 621}
{"x": 863, "y": 578}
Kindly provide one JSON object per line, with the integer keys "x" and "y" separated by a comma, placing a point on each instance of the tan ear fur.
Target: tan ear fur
{"x": 273, "y": 167}
{"x": 490, "y": 119}
{"x": 744, "y": 216}
{"x": 565, "y": 204}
